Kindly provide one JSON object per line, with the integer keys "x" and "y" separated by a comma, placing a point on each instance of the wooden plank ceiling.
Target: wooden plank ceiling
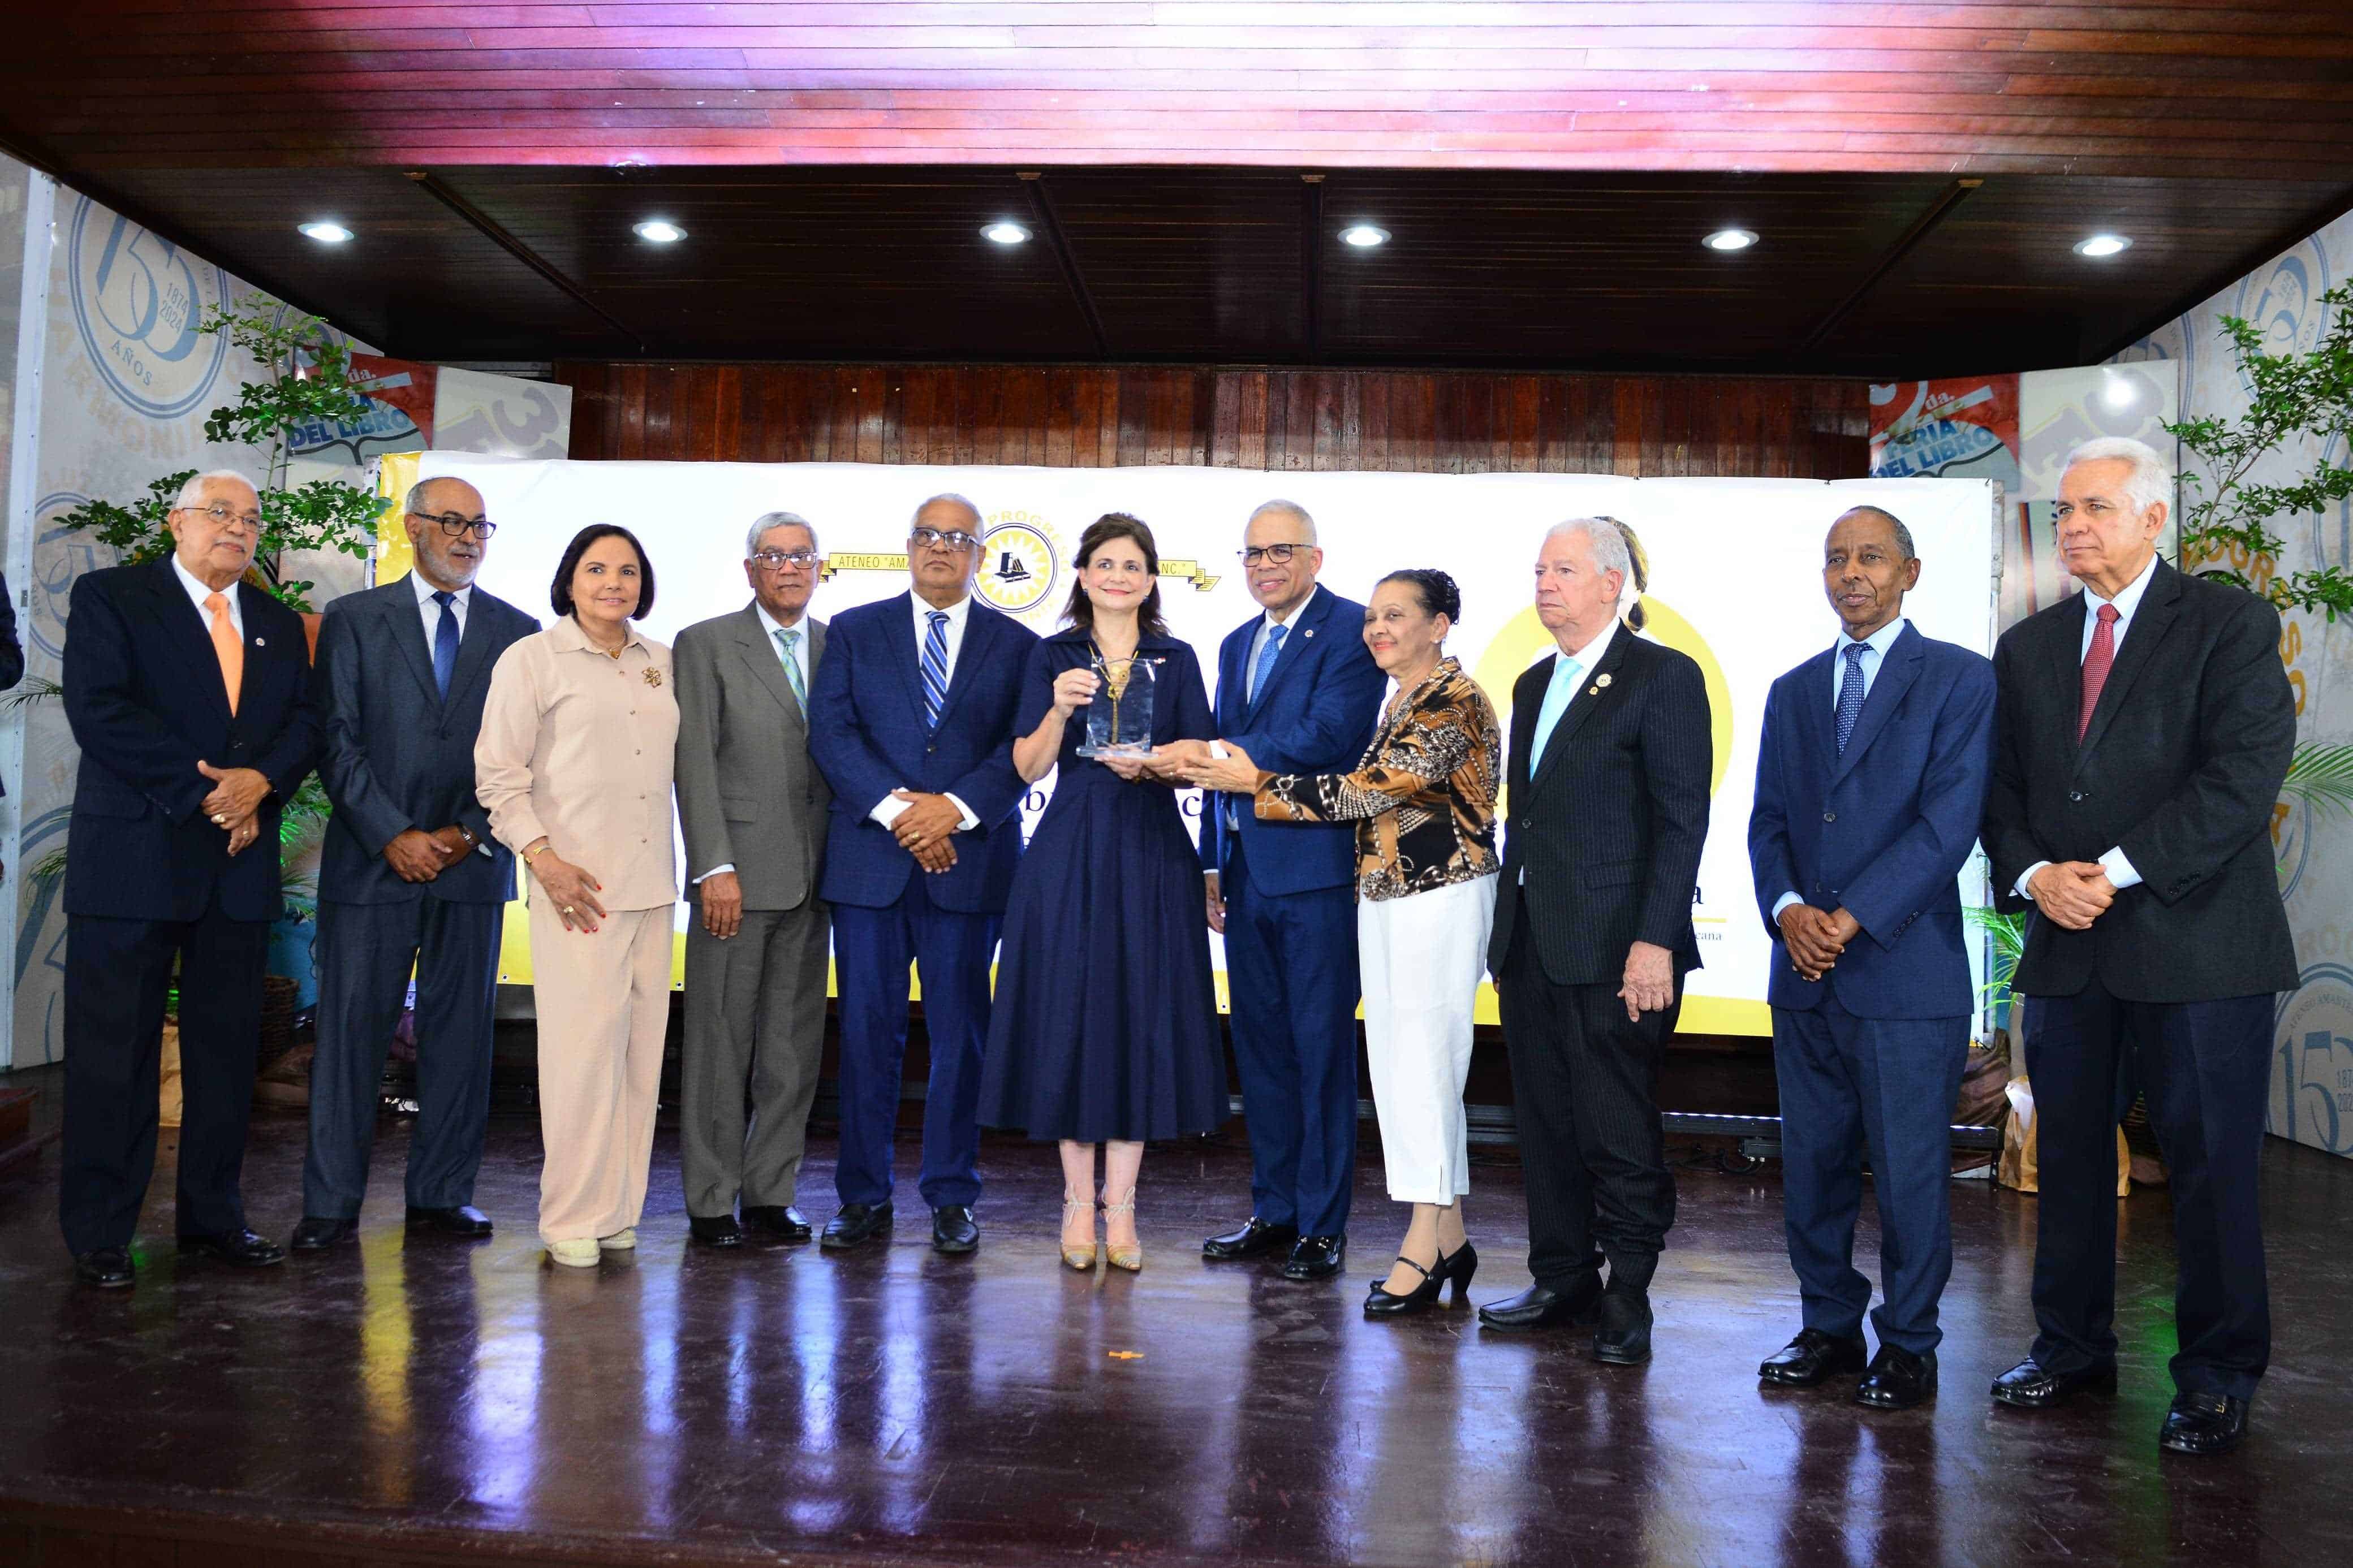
{"x": 1917, "y": 173}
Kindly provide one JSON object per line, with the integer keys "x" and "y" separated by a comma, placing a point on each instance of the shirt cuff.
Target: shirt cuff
{"x": 2026, "y": 878}
{"x": 1783, "y": 902}
{"x": 889, "y": 808}
{"x": 2120, "y": 871}
{"x": 970, "y": 821}
{"x": 726, "y": 865}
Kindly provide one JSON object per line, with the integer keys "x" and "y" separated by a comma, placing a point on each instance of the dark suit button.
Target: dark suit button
{"x": 1527, "y": 822}
{"x": 1830, "y": 816}
{"x": 2074, "y": 795}
{"x": 931, "y": 748}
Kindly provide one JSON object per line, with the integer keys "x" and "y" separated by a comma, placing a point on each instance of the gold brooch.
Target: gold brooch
{"x": 1601, "y": 683}
{"x": 653, "y": 676}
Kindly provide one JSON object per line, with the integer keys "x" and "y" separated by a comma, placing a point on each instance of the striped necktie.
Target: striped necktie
{"x": 785, "y": 642}
{"x": 935, "y": 669}
{"x": 1850, "y": 698}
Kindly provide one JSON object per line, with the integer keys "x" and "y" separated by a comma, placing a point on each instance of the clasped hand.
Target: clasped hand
{"x": 2072, "y": 893}
{"x": 417, "y": 856}
{"x": 926, "y": 829}
{"x": 1191, "y": 761}
{"x": 1816, "y": 937}
{"x": 235, "y": 798}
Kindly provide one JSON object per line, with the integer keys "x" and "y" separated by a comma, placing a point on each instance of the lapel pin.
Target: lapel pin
{"x": 261, "y": 642}
{"x": 1601, "y": 683}
{"x": 1309, "y": 632}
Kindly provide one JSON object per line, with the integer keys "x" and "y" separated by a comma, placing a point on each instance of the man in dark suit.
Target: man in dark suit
{"x": 1871, "y": 781}
{"x": 753, "y": 807}
{"x": 409, "y": 876}
{"x": 189, "y": 692}
{"x": 1610, "y": 765}
{"x": 918, "y": 694}
{"x": 1298, "y": 691}
{"x": 2145, "y": 727}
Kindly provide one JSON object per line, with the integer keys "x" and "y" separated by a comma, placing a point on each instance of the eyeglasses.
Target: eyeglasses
{"x": 777, "y": 560}
{"x": 455, "y": 525}
{"x": 932, "y": 538}
{"x": 223, "y": 515}
{"x": 1280, "y": 555}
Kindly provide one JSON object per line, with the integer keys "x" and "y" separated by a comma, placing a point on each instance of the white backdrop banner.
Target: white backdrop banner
{"x": 1735, "y": 582}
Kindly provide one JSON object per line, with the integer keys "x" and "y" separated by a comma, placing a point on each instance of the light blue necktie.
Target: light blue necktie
{"x": 935, "y": 669}
{"x": 1557, "y": 697}
{"x": 785, "y": 642}
{"x": 445, "y": 642}
{"x": 1266, "y": 655}
{"x": 1849, "y": 708}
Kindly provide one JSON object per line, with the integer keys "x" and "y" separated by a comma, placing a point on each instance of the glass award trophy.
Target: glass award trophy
{"x": 1119, "y": 720}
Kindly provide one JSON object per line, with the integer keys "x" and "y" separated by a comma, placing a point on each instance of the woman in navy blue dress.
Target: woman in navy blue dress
{"x": 1105, "y": 1029}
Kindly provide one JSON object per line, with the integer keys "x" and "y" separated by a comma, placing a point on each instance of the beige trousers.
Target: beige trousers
{"x": 603, "y": 999}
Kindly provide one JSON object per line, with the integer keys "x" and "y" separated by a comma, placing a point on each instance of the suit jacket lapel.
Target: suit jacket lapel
{"x": 474, "y": 652}
{"x": 1817, "y": 734}
{"x": 910, "y": 650}
{"x": 405, "y": 626}
{"x": 980, "y": 633}
{"x": 1304, "y": 625}
{"x": 1231, "y": 707}
{"x": 1898, "y": 669}
{"x": 2159, "y": 603}
{"x": 185, "y": 625}
{"x": 767, "y": 662}
{"x": 2061, "y": 657}
{"x": 1589, "y": 695}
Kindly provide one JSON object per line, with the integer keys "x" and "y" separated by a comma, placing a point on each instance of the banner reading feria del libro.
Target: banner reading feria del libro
{"x": 1736, "y": 583}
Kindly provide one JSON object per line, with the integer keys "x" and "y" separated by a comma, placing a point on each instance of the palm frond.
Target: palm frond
{"x": 2321, "y": 776}
{"x": 34, "y": 688}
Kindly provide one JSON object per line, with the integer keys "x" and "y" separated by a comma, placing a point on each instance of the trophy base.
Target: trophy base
{"x": 1118, "y": 749}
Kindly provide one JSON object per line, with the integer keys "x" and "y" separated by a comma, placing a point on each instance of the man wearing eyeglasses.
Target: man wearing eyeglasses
{"x": 189, "y": 693}
{"x": 409, "y": 876}
{"x": 915, "y": 702}
{"x": 754, "y": 808}
{"x": 1298, "y": 690}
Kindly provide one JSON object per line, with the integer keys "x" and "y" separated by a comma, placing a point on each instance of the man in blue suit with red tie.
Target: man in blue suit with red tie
{"x": 1299, "y": 693}
{"x": 1871, "y": 781}
{"x": 912, "y": 723}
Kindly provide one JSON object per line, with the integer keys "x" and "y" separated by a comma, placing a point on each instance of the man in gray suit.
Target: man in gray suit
{"x": 409, "y": 875}
{"x": 754, "y": 808}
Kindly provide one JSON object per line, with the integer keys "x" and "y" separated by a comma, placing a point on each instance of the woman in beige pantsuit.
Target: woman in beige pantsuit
{"x": 573, "y": 765}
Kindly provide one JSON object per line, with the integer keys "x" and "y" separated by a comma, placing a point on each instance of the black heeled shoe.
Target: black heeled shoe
{"x": 1380, "y": 1302}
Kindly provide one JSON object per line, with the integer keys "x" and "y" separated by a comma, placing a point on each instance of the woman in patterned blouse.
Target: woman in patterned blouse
{"x": 1423, "y": 800}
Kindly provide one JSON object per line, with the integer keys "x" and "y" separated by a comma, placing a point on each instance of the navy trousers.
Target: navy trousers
{"x": 1885, "y": 1087}
{"x": 118, "y": 975}
{"x": 365, "y": 953}
{"x": 1290, "y": 972}
{"x": 951, "y": 952}
{"x": 2206, "y": 1069}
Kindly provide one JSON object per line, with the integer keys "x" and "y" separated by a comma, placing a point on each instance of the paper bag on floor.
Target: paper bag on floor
{"x": 167, "y": 1103}
{"x": 2019, "y": 1167}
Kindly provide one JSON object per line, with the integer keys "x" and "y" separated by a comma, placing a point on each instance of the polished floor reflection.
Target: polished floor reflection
{"x": 415, "y": 1398}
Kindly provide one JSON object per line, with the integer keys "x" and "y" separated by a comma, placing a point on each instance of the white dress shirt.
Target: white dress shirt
{"x": 887, "y": 810}
{"x": 198, "y": 593}
{"x": 770, "y": 625}
{"x": 1876, "y": 649}
{"x": 430, "y": 613}
{"x": 2120, "y": 871}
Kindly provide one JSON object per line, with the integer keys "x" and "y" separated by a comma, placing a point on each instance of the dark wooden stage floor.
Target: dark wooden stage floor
{"x": 415, "y": 1400}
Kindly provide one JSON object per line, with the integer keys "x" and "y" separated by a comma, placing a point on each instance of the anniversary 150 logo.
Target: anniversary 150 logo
{"x": 139, "y": 301}
{"x": 2311, "y": 1054}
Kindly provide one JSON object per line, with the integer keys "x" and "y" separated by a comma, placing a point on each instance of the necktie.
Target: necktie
{"x": 1849, "y": 706}
{"x": 1556, "y": 699}
{"x": 935, "y": 669}
{"x": 227, "y": 648}
{"x": 445, "y": 641}
{"x": 786, "y": 642}
{"x": 1266, "y": 662}
{"x": 2096, "y": 663}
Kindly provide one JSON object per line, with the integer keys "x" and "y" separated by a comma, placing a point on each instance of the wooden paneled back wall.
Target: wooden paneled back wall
{"x": 1087, "y": 417}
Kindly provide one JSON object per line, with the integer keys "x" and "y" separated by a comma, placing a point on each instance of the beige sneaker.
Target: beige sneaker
{"x": 622, "y": 1240}
{"x": 573, "y": 1254}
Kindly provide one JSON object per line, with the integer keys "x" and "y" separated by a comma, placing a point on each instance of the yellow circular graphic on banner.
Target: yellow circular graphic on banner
{"x": 1524, "y": 640}
{"x": 1019, "y": 562}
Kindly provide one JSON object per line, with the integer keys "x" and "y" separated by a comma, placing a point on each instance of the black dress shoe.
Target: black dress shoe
{"x": 463, "y": 1219}
{"x": 779, "y": 1222}
{"x": 1812, "y": 1356}
{"x": 239, "y": 1249}
{"x": 1542, "y": 1307}
{"x": 714, "y": 1230}
{"x": 2030, "y": 1385}
{"x": 104, "y": 1268}
{"x": 1897, "y": 1380}
{"x": 1254, "y": 1240}
{"x": 2204, "y": 1424}
{"x": 1623, "y": 1338}
{"x": 1381, "y": 1303}
{"x": 952, "y": 1230}
{"x": 318, "y": 1232}
{"x": 856, "y": 1223}
{"x": 1316, "y": 1257}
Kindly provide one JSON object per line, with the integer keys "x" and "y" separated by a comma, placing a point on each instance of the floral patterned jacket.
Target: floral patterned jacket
{"x": 1423, "y": 797}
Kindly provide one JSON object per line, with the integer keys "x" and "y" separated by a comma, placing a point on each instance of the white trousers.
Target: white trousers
{"x": 1421, "y": 958}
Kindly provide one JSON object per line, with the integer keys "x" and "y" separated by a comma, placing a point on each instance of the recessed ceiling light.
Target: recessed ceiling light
{"x": 1364, "y": 236}
{"x": 659, "y": 230}
{"x": 1730, "y": 239}
{"x": 326, "y": 233}
{"x": 2103, "y": 244}
{"x": 1004, "y": 232}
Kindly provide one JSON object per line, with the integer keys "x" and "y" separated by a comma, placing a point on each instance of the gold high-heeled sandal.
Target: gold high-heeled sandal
{"x": 1081, "y": 1259}
{"x": 1128, "y": 1257}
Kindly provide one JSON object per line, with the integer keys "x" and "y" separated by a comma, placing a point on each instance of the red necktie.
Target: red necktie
{"x": 2095, "y": 667}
